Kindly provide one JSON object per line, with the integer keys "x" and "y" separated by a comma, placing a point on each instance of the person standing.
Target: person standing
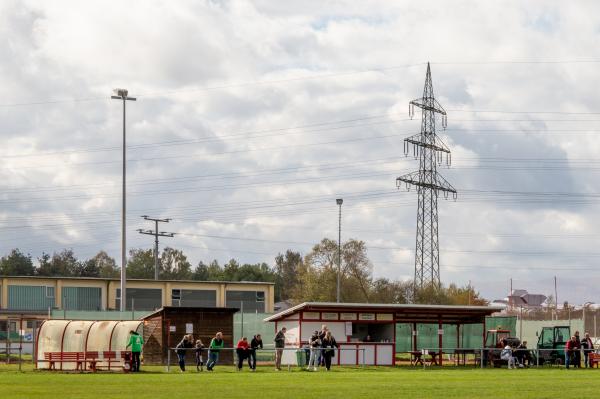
{"x": 577, "y": 354}
{"x": 322, "y": 334}
{"x": 255, "y": 344}
{"x": 216, "y": 344}
{"x": 199, "y": 359}
{"x": 182, "y": 347}
{"x": 279, "y": 346}
{"x": 136, "y": 342}
{"x": 588, "y": 347}
{"x": 315, "y": 349}
{"x": 570, "y": 351}
{"x": 242, "y": 348}
{"x": 329, "y": 346}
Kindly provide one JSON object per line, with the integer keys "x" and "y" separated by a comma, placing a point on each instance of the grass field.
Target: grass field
{"x": 348, "y": 382}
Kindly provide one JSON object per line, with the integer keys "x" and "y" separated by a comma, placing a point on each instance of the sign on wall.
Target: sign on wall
{"x": 329, "y": 316}
{"x": 348, "y": 316}
{"x": 311, "y": 315}
{"x": 385, "y": 316}
{"x": 189, "y": 328}
{"x": 348, "y": 328}
{"x": 172, "y": 329}
{"x": 366, "y": 316}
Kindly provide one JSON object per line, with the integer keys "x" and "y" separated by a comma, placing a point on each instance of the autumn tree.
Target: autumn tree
{"x": 174, "y": 265}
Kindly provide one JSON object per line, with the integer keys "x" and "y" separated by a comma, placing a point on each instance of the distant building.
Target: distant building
{"x": 38, "y": 295}
{"x": 523, "y": 299}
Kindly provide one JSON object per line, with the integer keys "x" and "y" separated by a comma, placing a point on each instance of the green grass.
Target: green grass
{"x": 347, "y": 382}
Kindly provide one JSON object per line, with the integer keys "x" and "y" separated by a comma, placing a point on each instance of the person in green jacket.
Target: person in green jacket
{"x": 136, "y": 342}
{"x": 216, "y": 344}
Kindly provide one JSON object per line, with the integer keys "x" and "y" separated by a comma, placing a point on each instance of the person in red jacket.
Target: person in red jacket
{"x": 242, "y": 349}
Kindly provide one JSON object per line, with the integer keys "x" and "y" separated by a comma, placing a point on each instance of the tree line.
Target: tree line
{"x": 297, "y": 278}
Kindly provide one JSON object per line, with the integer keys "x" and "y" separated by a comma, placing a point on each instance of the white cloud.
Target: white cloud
{"x": 199, "y": 71}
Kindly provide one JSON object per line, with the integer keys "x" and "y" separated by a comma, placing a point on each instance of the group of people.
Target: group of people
{"x": 322, "y": 349}
{"x": 245, "y": 350}
{"x": 573, "y": 350}
{"x": 517, "y": 356}
{"x": 214, "y": 348}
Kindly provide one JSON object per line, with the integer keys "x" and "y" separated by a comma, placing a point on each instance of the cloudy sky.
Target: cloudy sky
{"x": 254, "y": 116}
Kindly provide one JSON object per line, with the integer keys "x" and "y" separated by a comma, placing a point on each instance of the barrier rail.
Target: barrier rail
{"x": 337, "y": 350}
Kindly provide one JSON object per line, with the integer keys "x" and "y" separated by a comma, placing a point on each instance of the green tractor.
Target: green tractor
{"x": 551, "y": 344}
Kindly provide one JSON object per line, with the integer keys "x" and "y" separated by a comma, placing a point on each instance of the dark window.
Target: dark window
{"x": 141, "y": 298}
{"x": 194, "y": 298}
{"x": 246, "y": 300}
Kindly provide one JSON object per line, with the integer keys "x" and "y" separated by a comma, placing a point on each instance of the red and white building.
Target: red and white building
{"x": 351, "y": 323}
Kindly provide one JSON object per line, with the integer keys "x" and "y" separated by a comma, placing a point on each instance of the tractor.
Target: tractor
{"x": 551, "y": 344}
{"x": 494, "y": 343}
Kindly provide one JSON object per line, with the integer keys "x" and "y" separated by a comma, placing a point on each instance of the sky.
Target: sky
{"x": 252, "y": 117}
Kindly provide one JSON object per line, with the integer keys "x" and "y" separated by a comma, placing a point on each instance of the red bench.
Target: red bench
{"x": 61, "y": 357}
{"x": 82, "y": 359}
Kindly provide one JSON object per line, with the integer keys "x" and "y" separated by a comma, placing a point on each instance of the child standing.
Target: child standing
{"x": 199, "y": 360}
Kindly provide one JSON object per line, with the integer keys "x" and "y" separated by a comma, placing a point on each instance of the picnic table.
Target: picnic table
{"x": 417, "y": 357}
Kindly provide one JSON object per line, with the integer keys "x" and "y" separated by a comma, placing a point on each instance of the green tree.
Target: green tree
{"x": 201, "y": 273}
{"x": 140, "y": 264}
{"x": 16, "y": 264}
{"x": 63, "y": 264}
{"x": 318, "y": 275}
{"x": 286, "y": 271}
{"x": 174, "y": 265}
{"x": 101, "y": 265}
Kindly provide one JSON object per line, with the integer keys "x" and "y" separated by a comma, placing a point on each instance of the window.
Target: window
{"x": 141, "y": 298}
{"x": 249, "y": 301}
{"x": 176, "y": 297}
{"x": 260, "y": 296}
{"x": 194, "y": 298}
{"x": 49, "y": 292}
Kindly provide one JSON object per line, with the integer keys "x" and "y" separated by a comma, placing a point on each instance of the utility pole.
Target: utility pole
{"x": 122, "y": 94}
{"x": 339, "y": 201}
{"x": 430, "y": 150}
{"x": 156, "y": 234}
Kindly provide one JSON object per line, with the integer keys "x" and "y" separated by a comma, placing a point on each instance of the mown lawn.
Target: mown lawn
{"x": 448, "y": 382}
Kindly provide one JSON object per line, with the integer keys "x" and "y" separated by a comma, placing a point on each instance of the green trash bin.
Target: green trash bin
{"x": 300, "y": 358}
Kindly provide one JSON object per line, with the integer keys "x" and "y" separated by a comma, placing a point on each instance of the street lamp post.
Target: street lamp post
{"x": 339, "y": 201}
{"x": 122, "y": 94}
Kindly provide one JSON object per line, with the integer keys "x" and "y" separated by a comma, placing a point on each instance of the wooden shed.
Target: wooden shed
{"x": 166, "y": 327}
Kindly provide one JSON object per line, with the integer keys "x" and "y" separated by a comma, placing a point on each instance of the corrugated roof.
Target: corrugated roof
{"x": 476, "y": 310}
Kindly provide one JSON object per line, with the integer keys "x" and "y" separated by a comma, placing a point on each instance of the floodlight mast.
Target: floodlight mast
{"x": 122, "y": 94}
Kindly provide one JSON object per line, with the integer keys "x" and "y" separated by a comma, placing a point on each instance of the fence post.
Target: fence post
{"x": 481, "y": 358}
{"x": 363, "y": 357}
{"x": 168, "y": 360}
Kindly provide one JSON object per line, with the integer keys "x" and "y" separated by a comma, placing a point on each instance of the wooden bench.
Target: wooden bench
{"x": 61, "y": 357}
{"x": 91, "y": 358}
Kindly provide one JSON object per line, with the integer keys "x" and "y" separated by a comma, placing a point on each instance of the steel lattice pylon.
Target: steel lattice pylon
{"x": 430, "y": 150}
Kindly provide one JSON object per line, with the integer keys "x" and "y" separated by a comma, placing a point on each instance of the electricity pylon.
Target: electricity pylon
{"x": 430, "y": 150}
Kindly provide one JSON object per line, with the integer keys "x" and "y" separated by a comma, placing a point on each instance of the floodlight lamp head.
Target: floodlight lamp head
{"x": 339, "y": 201}
{"x": 121, "y": 92}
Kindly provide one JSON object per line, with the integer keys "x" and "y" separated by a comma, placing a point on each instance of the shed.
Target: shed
{"x": 166, "y": 327}
{"x": 351, "y": 323}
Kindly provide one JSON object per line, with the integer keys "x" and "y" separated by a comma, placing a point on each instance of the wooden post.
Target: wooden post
{"x": 440, "y": 339}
